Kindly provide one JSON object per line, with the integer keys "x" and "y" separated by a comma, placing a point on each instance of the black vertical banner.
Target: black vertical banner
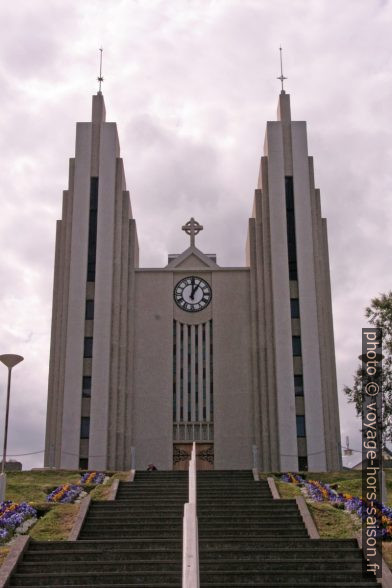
{"x": 372, "y": 450}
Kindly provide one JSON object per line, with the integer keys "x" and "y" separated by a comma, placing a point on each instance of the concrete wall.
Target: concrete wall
{"x": 152, "y": 405}
{"x": 153, "y": 388}
{"x": 233, "y": 402}
{"x": 281, "y": 298}
{"x": 71, "y": 409}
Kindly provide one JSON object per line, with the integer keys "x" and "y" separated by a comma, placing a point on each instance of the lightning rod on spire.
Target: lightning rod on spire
{"x": 100, "y": 78}
{"x": 281, "y": 77}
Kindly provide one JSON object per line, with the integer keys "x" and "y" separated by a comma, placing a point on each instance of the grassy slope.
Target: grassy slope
{"x": 330, "y": 521}
{"x": 33, "y": 487}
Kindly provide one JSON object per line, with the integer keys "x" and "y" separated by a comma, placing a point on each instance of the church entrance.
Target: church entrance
{"x": 204, "y": 456}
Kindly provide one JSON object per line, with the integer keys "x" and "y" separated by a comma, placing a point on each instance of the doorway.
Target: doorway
{"x": 204, "y": 456}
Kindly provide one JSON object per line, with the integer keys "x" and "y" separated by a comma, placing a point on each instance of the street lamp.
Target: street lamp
{"x": 10, "y": 360}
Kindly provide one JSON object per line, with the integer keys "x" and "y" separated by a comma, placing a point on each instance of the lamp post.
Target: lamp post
{"x": 10, "y": 360}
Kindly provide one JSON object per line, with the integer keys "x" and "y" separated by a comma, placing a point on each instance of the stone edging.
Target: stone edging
{"x": 78, "y": 524}
{"x": 386, "y": 580}
{"x": 307, "y": 517}
{"x": 16, "y": 552}
{"x": 113, "y": 489}
{"x": 130, "y": 476}
{"x": 273, "y": 488}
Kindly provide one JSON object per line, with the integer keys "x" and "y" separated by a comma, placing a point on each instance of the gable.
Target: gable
{"x": 192, "y": 258}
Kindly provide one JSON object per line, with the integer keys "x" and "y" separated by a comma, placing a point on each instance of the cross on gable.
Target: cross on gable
{"x": 192, "y": 228}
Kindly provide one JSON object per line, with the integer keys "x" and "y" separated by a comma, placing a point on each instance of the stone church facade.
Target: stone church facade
{"x": 239, "y": 359}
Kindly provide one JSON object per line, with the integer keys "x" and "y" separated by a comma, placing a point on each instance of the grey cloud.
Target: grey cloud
{"x": 190, "y": 86}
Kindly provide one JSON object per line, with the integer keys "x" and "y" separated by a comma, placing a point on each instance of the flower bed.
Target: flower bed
{"x": 319, "y": 492}
{"x": 93, "y": 478}
{"x": 12, "y": 516}
{"x": 65, "y": 493}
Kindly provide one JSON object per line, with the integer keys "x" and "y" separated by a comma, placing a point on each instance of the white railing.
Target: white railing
{"x": 190, "y": 538}
{"x": 256, "y": 463}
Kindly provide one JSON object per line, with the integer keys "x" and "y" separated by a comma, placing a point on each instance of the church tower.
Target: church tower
{"x": 91, "y": 352}
{"x": 296, "y": 409}
{"x": 239, "y": 359}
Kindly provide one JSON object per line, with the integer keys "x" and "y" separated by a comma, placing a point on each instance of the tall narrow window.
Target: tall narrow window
{"x": 85, "y": 428}
{"x": 92, "y": 230}
{"x": 291, "y": 240}
{"x": 88, "y": 347}
{"x": 86, "y": 388}
{"x": 89, "y": 310}
{"x": 299, "y": 385}
{"x": 303, "y": 464}
{"x": 301, "y": 426}
{"x": 294, "y": 305}
{"x": 296, "y": 346}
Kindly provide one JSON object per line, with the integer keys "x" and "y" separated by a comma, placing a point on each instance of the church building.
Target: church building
{"x": 145, "y": 361}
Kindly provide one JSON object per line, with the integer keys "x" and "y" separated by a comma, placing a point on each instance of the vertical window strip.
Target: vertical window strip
{"x": 208, "y": 373}
{"x": 193, "y": 373}
{"x": 181, "y": 371}
{"x": 211, "y": 373}
{"x": 189, "y": 382}
{"x": 175, "y": 383}
{"x": 197, "y": 418}
{"x": 92, "y": 230}
{"x": 291, "y": 236}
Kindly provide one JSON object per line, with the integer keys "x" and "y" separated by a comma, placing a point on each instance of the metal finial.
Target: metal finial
{"x": 100, "y": 78}
{"x": 281, "y": 77}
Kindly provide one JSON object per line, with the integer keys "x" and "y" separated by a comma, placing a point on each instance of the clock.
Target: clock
{"x": 192, "y": 294}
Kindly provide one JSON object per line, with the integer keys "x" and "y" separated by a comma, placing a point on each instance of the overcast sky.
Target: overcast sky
{"x": 191, "y": 85}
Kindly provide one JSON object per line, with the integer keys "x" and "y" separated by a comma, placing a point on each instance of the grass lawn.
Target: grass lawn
{"x": 34, "y": 486}
{"x": 56, "y": 524}
{"x": 331, "y": 522}
{"x": 56, "y": 520}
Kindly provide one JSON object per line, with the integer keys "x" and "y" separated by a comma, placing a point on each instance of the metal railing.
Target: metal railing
{"x": 190, "y": 538}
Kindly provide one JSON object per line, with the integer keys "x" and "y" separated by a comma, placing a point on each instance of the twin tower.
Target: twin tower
{"x": 239, "y": 359}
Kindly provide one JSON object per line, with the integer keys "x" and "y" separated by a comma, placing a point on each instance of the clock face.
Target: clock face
{"x": 192, "y": 294}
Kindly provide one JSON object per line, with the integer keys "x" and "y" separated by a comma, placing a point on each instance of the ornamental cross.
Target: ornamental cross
{"x": 192, "y": 228}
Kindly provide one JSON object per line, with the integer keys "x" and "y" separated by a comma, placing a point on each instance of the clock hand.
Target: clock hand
{"x": 193, "y": 288}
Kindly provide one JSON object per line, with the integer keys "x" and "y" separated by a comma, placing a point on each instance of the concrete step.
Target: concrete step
{"x": 290, "y": 584}
{"x": 277, "y": 544}
{"x": 278, "y": 566}
{"x": 128, "y": 555}
{"x": 106, "y": 545}
{"x": 265, "y": 555}
{"x": 128, "y": 533}
{"x": 270, "y": 576}
{"x": 97, "y": 579}
{"x": 97, "y": 566}
{"x": 133, "y": 526}
{"x": 262, "y": 525}
{"x": 250, "y": 534}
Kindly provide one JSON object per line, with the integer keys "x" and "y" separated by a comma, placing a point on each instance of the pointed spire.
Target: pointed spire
{"x": 284, "y": 110}
{"x": 100, "y": 77}
{"x": 281, "y": 77}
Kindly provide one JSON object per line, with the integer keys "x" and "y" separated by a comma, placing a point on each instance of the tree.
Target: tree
{"x": 379, "y": 314}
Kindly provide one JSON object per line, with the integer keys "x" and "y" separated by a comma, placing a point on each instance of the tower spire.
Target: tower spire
{"x": 281, "y": 77}
{"x": 100, "y": 77}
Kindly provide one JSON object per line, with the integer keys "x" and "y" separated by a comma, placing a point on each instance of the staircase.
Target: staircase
{"x": 245, "y": 539}
{"x": 248, "y": 539}
{"x": 134, "y": 541}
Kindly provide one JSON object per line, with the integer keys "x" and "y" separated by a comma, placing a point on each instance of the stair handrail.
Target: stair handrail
{"x": 190, "y": 539}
